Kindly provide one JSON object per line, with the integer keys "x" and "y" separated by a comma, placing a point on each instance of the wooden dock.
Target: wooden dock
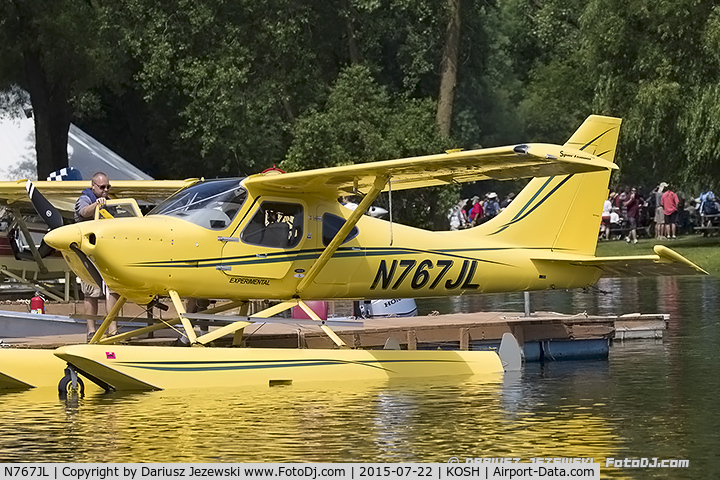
{"x": 542, "y": 335}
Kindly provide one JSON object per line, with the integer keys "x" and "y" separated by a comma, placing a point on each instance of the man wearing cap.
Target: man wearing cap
{"x": 491, "y": 207}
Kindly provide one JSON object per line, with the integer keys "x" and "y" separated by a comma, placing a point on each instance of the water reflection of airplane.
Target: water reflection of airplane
{"x": 395, "y": 421}
{"x": 285, "y": 237}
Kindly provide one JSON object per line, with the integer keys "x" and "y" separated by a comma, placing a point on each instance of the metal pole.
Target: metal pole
{"x": 527, "y": 303}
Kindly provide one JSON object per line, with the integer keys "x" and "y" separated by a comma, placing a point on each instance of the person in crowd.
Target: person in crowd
{"x": 669, "y": 201}
{"x": 620, "y": 200}
{"x": 659, "y": 211}
{"x": 457, "y": 216}
{"x": 491, "y": 207}
{"x": 708, "y": 206}
{"x": 632, "y": 208}
{"x": 90, "y": 199}
{"x": 605, "y": 222}
{"x": 476, "y": 212}
{"x": 508, "y": 200}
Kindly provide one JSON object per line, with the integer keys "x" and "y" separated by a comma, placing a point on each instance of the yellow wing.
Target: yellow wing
{"x": 664, "y": 262}
{"x": 502, "y": 163}
{"x": 63, "y": 194}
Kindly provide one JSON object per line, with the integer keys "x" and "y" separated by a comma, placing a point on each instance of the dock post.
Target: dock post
{"x": 527, "y": 303}
{"x": 302, "y": 343}
{"x": 412, "y": 340}
{"x": 464, "y": 339}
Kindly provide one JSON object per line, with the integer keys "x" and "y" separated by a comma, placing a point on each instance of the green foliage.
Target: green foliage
{"x": 654, "y": 68}
{"x": 227, "y": 70}
{"x": 230, "y": 87}
{"x": 54, "y": 51}
{"x": 65, "y": 33}
{"x": 362, "y": 122}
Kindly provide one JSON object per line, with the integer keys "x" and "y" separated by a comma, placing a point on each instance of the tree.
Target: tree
{"x": 362, "y": 122}
{"x": 449, "y": 67}
{"x": 225, "y": 79}
{"x": 52, "y": 50}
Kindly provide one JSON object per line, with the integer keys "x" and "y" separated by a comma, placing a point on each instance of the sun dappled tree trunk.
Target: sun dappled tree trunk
{"x": 51, "y": 113}
{"x": 353, "y": 49}
{"x": 57, "y": 53}
{"x": 448, "y": 79}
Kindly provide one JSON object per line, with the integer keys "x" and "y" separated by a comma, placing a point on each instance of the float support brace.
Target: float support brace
{"x": 180, "y": 308}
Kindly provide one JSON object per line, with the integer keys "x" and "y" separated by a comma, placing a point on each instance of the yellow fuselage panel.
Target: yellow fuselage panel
{"x": 142, "y": 257}
{"x": 400, "y": 261}
{"x": 139, "y": 256}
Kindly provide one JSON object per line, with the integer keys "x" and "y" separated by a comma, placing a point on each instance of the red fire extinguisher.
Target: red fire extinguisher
{"x": 37, "y": 304}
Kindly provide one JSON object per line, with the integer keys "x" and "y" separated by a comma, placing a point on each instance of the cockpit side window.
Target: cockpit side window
{"x": 331, "y": 225}
{"x": 276, "y": 225}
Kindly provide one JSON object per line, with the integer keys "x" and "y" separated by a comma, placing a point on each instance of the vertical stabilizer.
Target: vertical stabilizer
{"x": 562, "y": 212}
{"x": 597, "y": 135}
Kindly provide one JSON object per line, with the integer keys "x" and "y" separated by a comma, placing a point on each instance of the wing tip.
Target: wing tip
{"x": 671, "y": 255}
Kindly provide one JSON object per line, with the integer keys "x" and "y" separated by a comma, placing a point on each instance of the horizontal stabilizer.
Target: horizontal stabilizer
{"x": 664, "y": 262}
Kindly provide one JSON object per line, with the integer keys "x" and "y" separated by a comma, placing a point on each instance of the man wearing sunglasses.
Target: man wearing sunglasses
{"x": 91, "y": 199}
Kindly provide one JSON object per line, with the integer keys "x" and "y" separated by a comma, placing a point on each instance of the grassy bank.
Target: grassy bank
{"x": 703, "y": 251}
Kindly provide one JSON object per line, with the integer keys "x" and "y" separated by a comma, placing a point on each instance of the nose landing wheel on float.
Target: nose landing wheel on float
{"x": 71, "y": 384}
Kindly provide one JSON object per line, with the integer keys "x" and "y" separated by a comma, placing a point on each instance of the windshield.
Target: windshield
{"x": 210, "y": 204}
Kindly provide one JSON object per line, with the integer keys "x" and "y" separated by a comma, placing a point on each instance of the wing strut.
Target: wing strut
{"x": 243, "y": 321}
{"x": 332, "y": 247}
{"x": 207, "y": 314}
{"x": 281, "y": 307}
{"x": 180, "y": 308}
{"x": 37, "y": 256}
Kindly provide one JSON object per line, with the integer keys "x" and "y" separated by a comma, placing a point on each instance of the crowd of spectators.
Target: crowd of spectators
{"x": 475, "y": 211}
{"x": 628, "y": 212}
{"x": 661, "y": 212}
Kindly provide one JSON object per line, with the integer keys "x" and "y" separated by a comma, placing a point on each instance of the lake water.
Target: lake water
{"x": 650, "y": 399}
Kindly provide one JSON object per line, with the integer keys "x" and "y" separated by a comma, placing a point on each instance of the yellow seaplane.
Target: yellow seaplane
{"x": 285, "y": 237}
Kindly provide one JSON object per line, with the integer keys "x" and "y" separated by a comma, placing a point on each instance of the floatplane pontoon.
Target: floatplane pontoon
{"x": 285, "y": 237}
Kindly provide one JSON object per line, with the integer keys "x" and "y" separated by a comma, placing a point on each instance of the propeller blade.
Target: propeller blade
{"x": 89, "y": 266}
{"x": 44, "y": 249}
{"x": 43, "y": 207}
